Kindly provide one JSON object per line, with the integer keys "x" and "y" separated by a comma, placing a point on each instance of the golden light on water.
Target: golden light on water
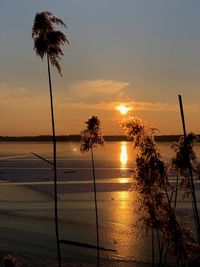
{"x": 123, "y": 156}
{"x": 124, "y": 180}
{"x": 124, "y": 195}
{"x": 126, "y": 238}
{"x": 123, "y": 109}
{"x": 123, "y": 163}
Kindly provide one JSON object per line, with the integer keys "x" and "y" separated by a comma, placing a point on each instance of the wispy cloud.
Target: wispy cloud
{"x": 10, "y": 95}
{"x": 132, "y": 105}
{"x": 93, "y": 91}
{"x": 156, "y": 106}
{"x": 106, "y": 95}
{"x": 87, "y": 94}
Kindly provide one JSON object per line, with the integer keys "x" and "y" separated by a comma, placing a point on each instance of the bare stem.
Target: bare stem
{"x": 54, "y": 165}
{"x": 194, "y": 201}
{"x": 96, "y": 207}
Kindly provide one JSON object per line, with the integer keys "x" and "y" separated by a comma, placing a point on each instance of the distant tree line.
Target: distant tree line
{"x": 77, "y": 138}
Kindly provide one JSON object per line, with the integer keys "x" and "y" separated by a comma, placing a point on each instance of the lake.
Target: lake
{"x": 26, "y": 194}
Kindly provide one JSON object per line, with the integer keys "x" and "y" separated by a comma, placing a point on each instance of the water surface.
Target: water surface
{"x": 27, "y": 210}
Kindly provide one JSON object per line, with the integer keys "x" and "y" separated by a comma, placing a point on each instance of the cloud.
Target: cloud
{"x": 92, "y": 91}
{"x": 157, "y": 106}
{"x": 99, "y": 95}
{"x": 82, "y": 95}
{"x": 132, "y": 105}
{"x": 17, "y": 104}
{"x": 10, "y": 95}
{"x": 106, "y": 95}
{"x": 3, "y": 90}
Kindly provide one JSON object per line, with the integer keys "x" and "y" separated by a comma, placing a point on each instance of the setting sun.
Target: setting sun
{"x": 122, "y": 109}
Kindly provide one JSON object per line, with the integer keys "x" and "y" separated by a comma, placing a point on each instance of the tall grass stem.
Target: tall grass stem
{"x": 194, "y": 201}
{"x": 54, "y": 165}
{"x": 96, "y": 207}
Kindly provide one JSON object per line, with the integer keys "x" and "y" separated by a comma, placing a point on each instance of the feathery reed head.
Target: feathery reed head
{"x": 48, "y": 40}
{"x": 92, "y": 135}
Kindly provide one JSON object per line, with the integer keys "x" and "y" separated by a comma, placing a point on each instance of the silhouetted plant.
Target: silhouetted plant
{"x": 185, "y": 158}
{"x": 92, "y": 137}
{"x": 151, "y": 181}
{"x": 11, "y": 261}
{"x": 48, "y": 42}
{"x": 186, "y": 164}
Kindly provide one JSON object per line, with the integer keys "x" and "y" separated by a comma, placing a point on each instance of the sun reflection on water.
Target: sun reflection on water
{"x": 124, "y": 180}
{"x": 123, "y": 156}
{"x": 123, "y": 219}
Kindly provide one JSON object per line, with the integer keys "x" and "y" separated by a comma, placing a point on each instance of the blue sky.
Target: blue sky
{"x": 138, "y": 52}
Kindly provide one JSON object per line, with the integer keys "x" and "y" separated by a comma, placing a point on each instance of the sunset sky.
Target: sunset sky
{"x": 138, "y": 52}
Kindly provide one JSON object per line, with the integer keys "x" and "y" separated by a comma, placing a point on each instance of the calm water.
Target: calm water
{"x": 26, "y": 211}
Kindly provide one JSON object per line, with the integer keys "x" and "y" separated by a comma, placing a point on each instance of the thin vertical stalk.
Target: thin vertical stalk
{"x": 96, "y": 206}
{"x": 159, "y": 247}
{"x": 182, "y": 115}
{"x": 194, "y": 201}
{"x": 165, "y": 256}
{"x": 171, "y": 211}
{"x": 152, "y": 245}
{"x": 54, "y": 164}
{"x": 176, "y": 191}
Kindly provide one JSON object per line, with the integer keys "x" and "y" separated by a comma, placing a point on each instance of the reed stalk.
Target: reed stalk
{"x": 190, "y": 176}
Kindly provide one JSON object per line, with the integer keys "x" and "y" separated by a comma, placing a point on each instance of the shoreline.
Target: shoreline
{"x": 77, "y": 138}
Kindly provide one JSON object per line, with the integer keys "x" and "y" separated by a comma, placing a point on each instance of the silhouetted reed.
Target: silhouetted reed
{"x": 186, "y": 158}
{"x": 92, "y": 137}
{"x": 187, "y": 166}
{"x": 151, "y": 182}
{"x": 48, "y": 42}
{"x": 11, "y": 261}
